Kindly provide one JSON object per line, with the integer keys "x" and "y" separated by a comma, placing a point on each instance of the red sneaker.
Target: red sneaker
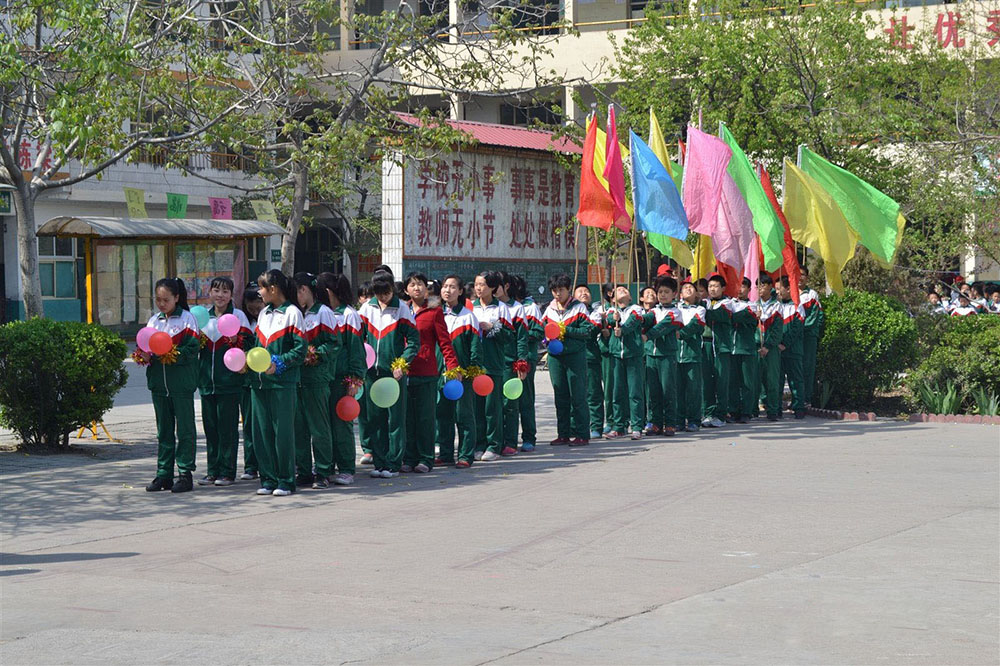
{"x": 579, "y": 441}
{"x": 443, "y": 463}
{"x": 668, "y": 432}
{"x": 508, "y": 451}
{"x": 614, "y": 434}
{"x": 654, "y": 430}
{"x": 463, "y": 464}
{"x": 558, "y": 441}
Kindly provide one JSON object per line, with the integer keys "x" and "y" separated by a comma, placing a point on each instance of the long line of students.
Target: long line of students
{"x": 618, "y": 370}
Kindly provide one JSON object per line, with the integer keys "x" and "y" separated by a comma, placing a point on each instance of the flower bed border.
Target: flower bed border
{"x": 913, "y": 418}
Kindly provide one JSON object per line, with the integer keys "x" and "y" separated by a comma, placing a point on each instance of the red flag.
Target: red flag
{"x": 790, "y": 263}
{"x": 596, "y": 207}
{"x": 732, "y": 277}
{"x": 614, "y": 173}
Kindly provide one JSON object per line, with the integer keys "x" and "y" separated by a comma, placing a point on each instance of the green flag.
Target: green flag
{"x": 765, "y": 221}
{"x": 873, "y": 215}
{"x": 177, "y": 205}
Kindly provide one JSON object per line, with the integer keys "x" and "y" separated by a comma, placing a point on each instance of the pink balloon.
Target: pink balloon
{"x": 228, "y": 325}
{"x": 235, "y": 359}
{"x": 143, "y": 336}
{"x": 369, "y": 355}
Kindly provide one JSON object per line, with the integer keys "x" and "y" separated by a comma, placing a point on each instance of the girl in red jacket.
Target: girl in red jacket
{"x": 418, "y": 456}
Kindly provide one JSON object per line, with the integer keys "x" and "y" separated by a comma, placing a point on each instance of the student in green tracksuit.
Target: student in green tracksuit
{"x": 497, "y": 328}
{"x": 348, "y": 373}
{"x": 532, "y": 319}
{"x": 689, "y": 359}
{"x": 793, "y": 322}
{"x": 275, "y": 391}
{"x": 365, "y": 294}
{"x": 220, "y": 387}
{"x": 745, "y": 376}
{"x": 568, "y": 368}
{"x": 603, "y": 342}
{"x": 460, "y": 415}
{"x": 252, "y": 305}
{"x": 628, "y": 363}
{"x": 661, "y": 325}
{"x": 172, "y": 379}
{"x": 392, "y": 331}
{"x": 515, "y": 351}
{"x": 719, "y": 347}
{"x": 313, "y": 425}
{"x": 595, "y": 372}
{"x": 768, "y": 311}
{"x": 812, "y": 330}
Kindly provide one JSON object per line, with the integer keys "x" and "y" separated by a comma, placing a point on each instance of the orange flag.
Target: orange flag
{"x": 596, "y": 207}
{"x": 789, "y": 262}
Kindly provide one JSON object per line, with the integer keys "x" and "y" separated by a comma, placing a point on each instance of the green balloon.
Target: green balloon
{"x": 513, "y": 388}
{"x": 385, "y": 392}
{"x": 200, "y": 313}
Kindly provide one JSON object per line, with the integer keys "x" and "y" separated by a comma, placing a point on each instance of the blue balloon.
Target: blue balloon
{"x": 555, "y": 347}
{"x": 453, "y": 389}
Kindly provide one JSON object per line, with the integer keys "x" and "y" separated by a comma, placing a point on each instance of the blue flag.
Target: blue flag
{"x": 658, "y": 207}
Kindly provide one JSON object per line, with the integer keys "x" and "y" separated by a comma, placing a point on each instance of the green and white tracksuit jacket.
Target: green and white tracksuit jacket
{"x": 500, "y": 341}
{"x": 392, "y": 333}
{"x": 214, "y": 377}
{"x": 280, "y": 332}
{"x": 182, "y": 375}
{"x": 319, "y": 325}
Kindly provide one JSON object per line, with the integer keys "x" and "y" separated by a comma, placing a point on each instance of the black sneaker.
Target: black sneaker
{"x": 158, "y": 484}
{"x": 303, "y": 480}
{"x": 320, "y": 482}
{"x": 184, "y": 483}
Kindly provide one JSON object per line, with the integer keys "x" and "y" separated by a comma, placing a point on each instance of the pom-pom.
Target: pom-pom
{"x": 473, "y": 371}
{"x": 279, "y": 365}
{"x": 520, "y": 366}
{"x": 355, "y": 382}
{"x": 562, "y": 331}
{"x": 311, "y": 357}
{"x": 203, "y": 339}
{"x": 454, "y": 373}
{"x": 140, "y": 357}
{"x": 171, "y": 356}
{"x": 400, "y": 364}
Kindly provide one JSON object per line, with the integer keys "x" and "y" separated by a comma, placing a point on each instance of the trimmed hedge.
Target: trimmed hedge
{"x": 868, "y": 340}
{"x": 57, "y": 376}
{"x": 966, "y": 357}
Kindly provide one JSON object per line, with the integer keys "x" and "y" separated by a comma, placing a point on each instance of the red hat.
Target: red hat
{"x": 686, "y": 280}
{"x": 665, "y": 269}
{"x": 958, "y": 279}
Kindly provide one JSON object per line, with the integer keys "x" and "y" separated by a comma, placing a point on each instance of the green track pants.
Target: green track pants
{"x": 457, "y": 415}
{"x": 661, "y": 380}
{"x": 744, "y": 382}
{"x": 716, "y": 388}
{"x": 791, "y": 371}
{"x": 421, "y": 395}
{"x": 526, "y": 409}
{"x": 274, "y": 435}
{"x": 246, "y": 410}
{"x": 344, "y": 453}
{"x": 220, "y": 415}
{"x": 629, "y": 394}
{"x": 770, "y": 379}
{"x": 387, "y": 426}
{"x": 568, "y": 373}
{"x": 595, "y": 395}
{"x": 689, "y": 393}
{"x": 175, "y": 433}
{"x": 609, "y": 388}
{"x": 511, "y": 413}
{"x": 313, "y": 431}
{"x": 489, "y": 418}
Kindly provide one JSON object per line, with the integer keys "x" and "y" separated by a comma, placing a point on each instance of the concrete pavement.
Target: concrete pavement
{"x": 798, "y": 542}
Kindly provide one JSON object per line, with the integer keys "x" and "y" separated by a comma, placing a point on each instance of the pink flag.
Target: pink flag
{"x": 222, "y": 208}
{"x": 614, "y": 173}
{"x": 733, "y": 227}
{"x": 704, "y": 169}
{"x": 751, "y": 270}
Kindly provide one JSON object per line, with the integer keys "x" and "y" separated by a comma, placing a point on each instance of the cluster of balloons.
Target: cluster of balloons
{"x": 552, "y": 331}
{"x": 151, "y": 341}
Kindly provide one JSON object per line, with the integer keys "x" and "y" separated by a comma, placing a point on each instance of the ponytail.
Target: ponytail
{"x": 310, "y": 281}
{"x": 337, "y": 284}
{"x": 275, "y": 278}
{"x": 176, "y": 287}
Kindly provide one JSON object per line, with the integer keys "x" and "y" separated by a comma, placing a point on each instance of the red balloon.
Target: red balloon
{"x": 482, "y": 385}
{"x": 160, "y": 343}
{"x": 552, "y": 330}
{"x": 348, "y": 408}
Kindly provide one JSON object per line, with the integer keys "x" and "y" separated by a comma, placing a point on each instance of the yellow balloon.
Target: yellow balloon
{"x": 258, "y": 359}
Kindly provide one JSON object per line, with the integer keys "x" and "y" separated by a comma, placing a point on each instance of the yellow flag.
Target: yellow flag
{"x": 817, "y": 222}
{"x": 657, "y": 144}
{"x": 704, "y": 260}
{"x": 601, "y": 158}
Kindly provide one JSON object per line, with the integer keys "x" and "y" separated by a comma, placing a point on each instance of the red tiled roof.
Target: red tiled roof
{"x": 508, "y": 136}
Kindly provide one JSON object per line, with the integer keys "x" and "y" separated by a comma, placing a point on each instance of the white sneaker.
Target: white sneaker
{"x": 281, "y": 492}
{"x": 636, "y": 434}
{"x": 421, "y": 469}
{"x": 375, "y": 474}
{"x": 387, "y": 474}
{"x": 489, "y": 456}
{"x": 707, "y": 423}
{"x": 264, "y": 491}
{"x": 224, "y": 481}
{"x": 716, "y": 423}
{"x": 406, "y": 469}
{"x": 478, "y": 455}
{"x": 247, "y": 476}
{"x": 206, "y": 480}
{"x": 343, "y": 479}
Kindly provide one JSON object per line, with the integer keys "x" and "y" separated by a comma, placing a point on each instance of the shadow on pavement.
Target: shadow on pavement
{"x": 14, "y": 559}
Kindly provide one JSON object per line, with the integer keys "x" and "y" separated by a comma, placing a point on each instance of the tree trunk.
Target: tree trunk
{"x": 27, "y": 251}
{"x": 300, "y": 176}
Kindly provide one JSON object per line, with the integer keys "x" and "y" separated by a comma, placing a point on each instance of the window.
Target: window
{"x": 57, "y": 267}
{"x": 527, "y": 115}
{"x": 364, "y": 31}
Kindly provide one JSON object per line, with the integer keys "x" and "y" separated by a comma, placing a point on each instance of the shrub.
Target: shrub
{"x": 57, "y": 376}
{"x": 867, "y": 341}
{"x": 967, "y": 355}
